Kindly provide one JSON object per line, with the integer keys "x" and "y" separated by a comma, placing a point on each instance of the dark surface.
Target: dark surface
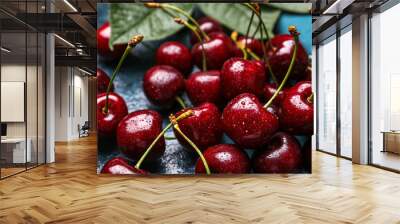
{"x": 128, "y": 83}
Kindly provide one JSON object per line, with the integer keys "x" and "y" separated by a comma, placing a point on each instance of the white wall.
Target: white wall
{"x": 71, "y": 102}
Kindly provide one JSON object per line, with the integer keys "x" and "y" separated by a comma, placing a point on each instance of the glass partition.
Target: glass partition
{"x": 22, "y": 101}
{"x": 385, "y": 89}
{"x": 346, "y": 92}
{"x": 327, "y": 96}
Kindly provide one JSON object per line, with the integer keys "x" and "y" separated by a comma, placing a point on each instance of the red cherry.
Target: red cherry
{"x": 269, "y": 91}
{"x": 103, "y": 39}
{"x": 107, "y": 122}
{"x": 175, "y": 54}
{"x": 247, "y": 123}
{"x": 137, "y": 131}
{"x": 162, "y": 84}
{"x": 207, "y": 25}
{"x": 280, "y": 55}
{"x": 281, "y": 155}
{"x": 242, "y": 76}
{"x": 253, "y": 44}
{"x": 297, "y": 111}
{"x": 102, "y": 81}
{"x": 203, "y": 127}
{"x": 224, "y": 158}
{"x": 217, "y": 51}
{"x": 119, "y": 165}
{"x": 204, "y": 87}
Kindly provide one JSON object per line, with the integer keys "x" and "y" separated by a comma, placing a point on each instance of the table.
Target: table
{"x": 391, "y": 141}
{"x": 16, "y": 147}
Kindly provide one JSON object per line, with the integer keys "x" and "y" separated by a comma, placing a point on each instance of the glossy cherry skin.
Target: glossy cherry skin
{"x": 224, "y": 158}
{"x": 119, "y": 165}
{"x": 217, "y": 50}
{"x": 247, "y": 123}
{"x": 242, "y": 76}
{"x": 203, "y": 87}
{"x": 269, "y": 91}
{"x": 280, "y": 55}
{"x": 281, "y": 155}
{"x": 296, "y": 111}
{"x": 102, "y": 81}
{"x": 203, "y": 128}
{"x": 137, "y": 131}
{"x": 103, "y": 39}
{"x": 107, "y": 122}
{"x": 253, "y": 44}
{"x": 175, "y": 54}
{"x": 162, "y": 84}
{"x": 207, "y": 25}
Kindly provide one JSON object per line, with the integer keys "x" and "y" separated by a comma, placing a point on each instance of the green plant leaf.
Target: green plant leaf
{"x": 237, "y": 16}
{"x": 293, "y": 7}
{"x": 129, "y": 19}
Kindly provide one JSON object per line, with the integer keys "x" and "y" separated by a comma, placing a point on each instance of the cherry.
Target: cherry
{"x": 162, "y": 84}
{"x": 239, "y": 75}
{"x": 269, "y": 91}
{"x": 275, "y": 110}
{"x": 217, "y": 51}
{"x": 297, "y": 109}
{"x": 102, "y": 81}
{"x": 204, "y": 86}
{"x": 224, "y": 158}
{"x": 119, "y": 165}
{"x": 111, "y": 108}
{"x": 279, "y": 51}
{"x": 207, "y": 25}
{"x": 103, "y": 39}
{"x": 308, "y": 74}
{"x": 203, "y": 127}
{"x": 253, "y": 44}
{"x": 107, "y": 122}
{"x": 176, "y": 55}
{"x": 137, "y": 130}
{"x": 246, "y": 121}
{"x": 281, "y": 155}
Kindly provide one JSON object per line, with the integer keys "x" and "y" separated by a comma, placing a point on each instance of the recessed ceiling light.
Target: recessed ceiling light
{"x": 5, "y": 50}
{"x": 64, "y": 40}
{"x": 70, "y": 5}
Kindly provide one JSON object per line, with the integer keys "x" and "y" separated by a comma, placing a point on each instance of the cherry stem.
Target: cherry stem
{"x": 187, "y": 15}
{"x": 257, "y": 11}
{"x": 201, "y": 40}
{"x": 165, "y": 6}
{"x": 176, "y": 127}
{"x": 252, "y": 54}
{"x": 295, "y": 34}
{"x": 234, "y": 37}
{"x": 180, "y": 101}
{"x": 256, "y": 31}
{"x": 184, "y": 115}
{"x": 311, "y": 98}
{"x": 169, "y": 138}
{"x": 131, "y": 44}
{"x": 248, "y": 29}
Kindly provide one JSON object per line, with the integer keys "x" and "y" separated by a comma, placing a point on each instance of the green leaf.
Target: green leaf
{"x": 293, "y": 7}
{"x": 237, "y": 16}
{"x": 129, "y": 19}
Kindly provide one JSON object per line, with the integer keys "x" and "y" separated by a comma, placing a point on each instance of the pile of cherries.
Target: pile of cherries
{"x": 226, "y": 93}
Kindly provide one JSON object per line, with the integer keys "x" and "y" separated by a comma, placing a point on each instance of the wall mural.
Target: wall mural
{"x": 204, "y": 88}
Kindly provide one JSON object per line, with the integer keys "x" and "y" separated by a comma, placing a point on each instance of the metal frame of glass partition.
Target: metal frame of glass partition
{"x": 337, "y": 34}
{"x": 42, "y": 97}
